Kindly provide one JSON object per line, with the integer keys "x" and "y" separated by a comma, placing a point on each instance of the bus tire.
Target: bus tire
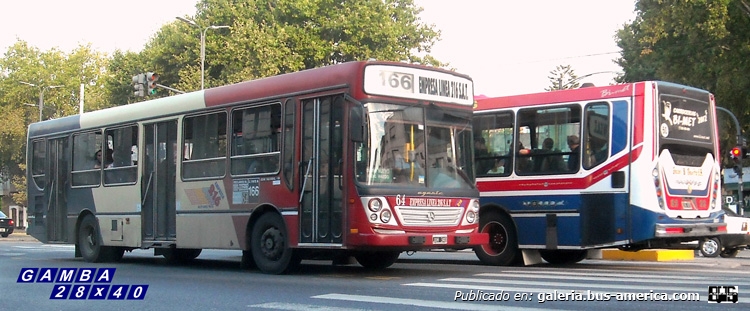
{"x": 90, "y": 240}
{"x": 377, "y": 260}
{"x": 502, "y": 249}
{"x": 562, "y": 257}
{"x": 710, "y": 247}
{"x": 729, "y": 252}
{"x": 269, "y": 244}
{"x": 181, "y": 255}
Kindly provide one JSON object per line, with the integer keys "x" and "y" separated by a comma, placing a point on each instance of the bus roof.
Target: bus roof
{"x": 570, "y": 95}
{"x": 348, "y": 74}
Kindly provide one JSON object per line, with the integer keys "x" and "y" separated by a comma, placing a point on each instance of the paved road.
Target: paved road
{"x": 425, "y": 280}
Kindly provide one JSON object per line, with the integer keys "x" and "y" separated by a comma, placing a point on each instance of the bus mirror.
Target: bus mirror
{"x": 356, "y": 124}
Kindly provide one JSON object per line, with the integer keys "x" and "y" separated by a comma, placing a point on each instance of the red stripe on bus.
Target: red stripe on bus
{"x": 563, "y": 183}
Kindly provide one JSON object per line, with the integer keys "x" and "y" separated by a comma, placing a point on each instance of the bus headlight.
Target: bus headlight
{"x": 375, "y": 205}
{"x": 385, "y": 216}
{"x": 474, "y": 206}
{"x": 471, "y": 217}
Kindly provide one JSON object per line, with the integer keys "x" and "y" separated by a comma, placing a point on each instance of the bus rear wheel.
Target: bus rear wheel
{"x": 270, "y": 246}
{"x": 376, "y": 260}
{"x": 561, "y": 257}
{"x": 89, "y": 242}
{"x": 502, "y": 249}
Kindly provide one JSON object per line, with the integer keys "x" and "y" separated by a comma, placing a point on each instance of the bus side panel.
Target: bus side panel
{"x": 604, "y": 218}
{"x": 78, "y": 200}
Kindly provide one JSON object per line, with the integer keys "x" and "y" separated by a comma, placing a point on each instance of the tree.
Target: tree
{"x": 18, "y": 102}
{"x": 705, "y": 44}
{"x": 563, "y": 77}
{"x": 275, "y": 37}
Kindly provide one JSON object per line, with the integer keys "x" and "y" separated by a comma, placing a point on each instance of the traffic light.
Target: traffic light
{"x": 736, "y": 153}
{"x": 151, "y": 78}
{"x": 139, "y": 84}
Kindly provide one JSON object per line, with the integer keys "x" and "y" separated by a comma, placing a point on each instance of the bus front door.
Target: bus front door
{"x": 56, "y": 190}
{"x": 158, "y": 206}
{"x": 321, "y": 217}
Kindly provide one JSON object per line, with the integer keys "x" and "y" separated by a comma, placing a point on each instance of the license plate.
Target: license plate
{"x": 440, "y": 239}
{"x": 2, "y": 230}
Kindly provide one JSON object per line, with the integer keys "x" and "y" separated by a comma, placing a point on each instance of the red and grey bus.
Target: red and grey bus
{"x": 631, "y": 166}
{"x": 360, "y": 159}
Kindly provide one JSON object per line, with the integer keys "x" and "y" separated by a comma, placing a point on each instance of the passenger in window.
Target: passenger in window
{"x": 553, "y": 162}
{"x": 498, "y": 168}
{"x": 481, "y": 154}
{"x": 574, "y": 160}
{"x": 107, "y": 162}
{"x": 523, "y": 162}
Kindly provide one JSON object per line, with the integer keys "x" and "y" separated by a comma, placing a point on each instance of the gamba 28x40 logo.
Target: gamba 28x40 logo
{"x": 83, "y": 283}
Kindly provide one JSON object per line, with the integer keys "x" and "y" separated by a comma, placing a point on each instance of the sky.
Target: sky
{"x": 507, "y": 47}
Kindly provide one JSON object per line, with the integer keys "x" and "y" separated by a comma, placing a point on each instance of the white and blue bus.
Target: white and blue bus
{"x": 632, "y": 166}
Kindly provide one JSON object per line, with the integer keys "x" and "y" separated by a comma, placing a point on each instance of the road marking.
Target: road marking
{"x": 301, "y": 307}
{"x": 612, "y": 277}
{"x": 426, "y": 303}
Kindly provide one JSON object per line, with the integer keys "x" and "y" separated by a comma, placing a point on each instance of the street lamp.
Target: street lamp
{"x": 41, "y": 94}
{"x": 203, "y": 43}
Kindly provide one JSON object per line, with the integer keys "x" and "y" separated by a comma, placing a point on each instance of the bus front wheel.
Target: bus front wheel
{"x": 270, "y": 245}
{"x": 502, "y": 249}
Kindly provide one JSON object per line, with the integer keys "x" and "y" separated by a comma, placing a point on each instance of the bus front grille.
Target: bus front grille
{"x": 429, "y": 216}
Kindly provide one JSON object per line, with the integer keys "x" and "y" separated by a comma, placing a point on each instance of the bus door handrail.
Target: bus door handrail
{"x": 148, "y": 187}
{"x": 304, "y": 182}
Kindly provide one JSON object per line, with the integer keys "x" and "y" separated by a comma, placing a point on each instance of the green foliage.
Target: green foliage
{"x": 19, "y": 102}
{"x": 562, "y": 78}
{"x": 273, "y": 37}
{"x": 701, "y": 43}
{"x": 267, "y": 37}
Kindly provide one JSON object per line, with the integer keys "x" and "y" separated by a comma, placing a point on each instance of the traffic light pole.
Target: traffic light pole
{"x": 169, "y": 88}
{"x": 741, "y": 143}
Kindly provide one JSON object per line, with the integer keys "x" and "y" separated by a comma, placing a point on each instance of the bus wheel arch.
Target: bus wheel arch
{"x": 89, "y": 241}
{"x": 269, "y": 244}
{"x": 502, "y": 249}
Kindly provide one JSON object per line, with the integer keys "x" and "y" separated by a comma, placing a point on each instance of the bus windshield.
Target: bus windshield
{"x": 416, "y": 146}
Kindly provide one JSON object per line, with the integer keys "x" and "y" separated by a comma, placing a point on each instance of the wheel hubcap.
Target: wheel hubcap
{"x": 272, "y": 243}
{"x": 498, "y": 238}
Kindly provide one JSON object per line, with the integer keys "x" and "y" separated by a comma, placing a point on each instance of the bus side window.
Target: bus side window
{"x": 596, "y": 135}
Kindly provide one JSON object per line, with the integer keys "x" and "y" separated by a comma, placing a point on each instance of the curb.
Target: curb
{"x": 649, "y": 255}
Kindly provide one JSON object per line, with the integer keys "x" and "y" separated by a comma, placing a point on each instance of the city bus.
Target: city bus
{"x": 564, "y": 174}
{"x": 359, "y": 160}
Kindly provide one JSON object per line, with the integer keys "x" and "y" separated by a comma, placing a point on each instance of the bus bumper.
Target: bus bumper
{"x": 690, "y": 230}
{"x": 412, "y": 241}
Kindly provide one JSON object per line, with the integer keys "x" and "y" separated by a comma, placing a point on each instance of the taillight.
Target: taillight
{"x": 674, "y": 230}
{"x": 11, "y": 222}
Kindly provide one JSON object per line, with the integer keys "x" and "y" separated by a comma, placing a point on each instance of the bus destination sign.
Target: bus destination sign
{"x": 418, "y": 84}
